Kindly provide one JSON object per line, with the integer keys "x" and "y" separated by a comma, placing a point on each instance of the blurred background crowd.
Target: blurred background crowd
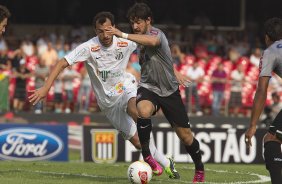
{"x": 220, "y": 57}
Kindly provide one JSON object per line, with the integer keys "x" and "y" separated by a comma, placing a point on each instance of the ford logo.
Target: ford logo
{"x": 29, "y": 144}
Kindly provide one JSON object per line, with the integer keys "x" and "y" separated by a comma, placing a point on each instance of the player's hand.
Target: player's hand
{"x": 182, "y": 79}
{"x": 37, "y": 95}
{"x": 113, "y": 31}
{"x": 248, "y": 136}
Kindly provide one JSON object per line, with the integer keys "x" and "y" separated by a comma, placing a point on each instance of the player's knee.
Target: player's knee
{"x": 145, "y": 109}
{"x": 144, "y": 112}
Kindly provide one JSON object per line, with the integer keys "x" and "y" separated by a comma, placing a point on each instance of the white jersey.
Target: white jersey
{"x": 106, "y": 67}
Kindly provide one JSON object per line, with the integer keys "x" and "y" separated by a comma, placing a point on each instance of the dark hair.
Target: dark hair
{"x": 139, "y": 11}
{"x": 273, "y": 28}
{"x": 102, "y": 17}
{"x": 4, "y": 13}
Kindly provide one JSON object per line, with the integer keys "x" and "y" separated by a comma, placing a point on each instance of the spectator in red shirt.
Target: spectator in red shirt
{"x": 218, "y": 87}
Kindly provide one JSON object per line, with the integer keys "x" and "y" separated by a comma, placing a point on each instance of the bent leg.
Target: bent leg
{"x": 145, "y": 109}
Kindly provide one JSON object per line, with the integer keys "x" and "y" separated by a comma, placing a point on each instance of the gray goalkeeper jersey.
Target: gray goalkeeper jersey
{"x": 157, "y": 74}
{"x": 271, "y": 60}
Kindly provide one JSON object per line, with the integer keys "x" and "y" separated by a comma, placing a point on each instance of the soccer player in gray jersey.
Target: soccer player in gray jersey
{"x": 4, "y": 15}
{"x": 158, "y": 87}
{"x": 271, "y": 62}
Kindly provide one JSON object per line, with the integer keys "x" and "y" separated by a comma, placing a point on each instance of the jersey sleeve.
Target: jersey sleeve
{"x": 158, "y": 33}
{"x": 80, "y": 54}
{"x": 266, "y": 65}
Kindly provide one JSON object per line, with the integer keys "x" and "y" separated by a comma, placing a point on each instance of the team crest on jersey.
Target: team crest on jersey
{"x": 122, "y": 44}
{"x": 95, "y": 48}
{"x": 154, "y": 32}
{"x": 119, "y": 55}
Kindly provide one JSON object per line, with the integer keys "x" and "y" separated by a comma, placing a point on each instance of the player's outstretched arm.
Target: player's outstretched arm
{"x": 38, "y": 94}
{"x": 142, "y": 39}
{"x": 257, "y": 109}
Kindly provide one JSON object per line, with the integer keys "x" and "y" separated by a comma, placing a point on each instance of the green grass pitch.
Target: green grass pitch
{"x": 77, "y": 172}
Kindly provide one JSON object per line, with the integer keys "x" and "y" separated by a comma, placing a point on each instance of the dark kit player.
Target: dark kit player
{"x": 158, "y": 87}
{"x": 271, "y": 62}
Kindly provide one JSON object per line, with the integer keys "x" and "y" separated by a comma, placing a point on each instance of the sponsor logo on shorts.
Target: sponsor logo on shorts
{"x": 278, "y": 159}
{"x": 104, "y": 145}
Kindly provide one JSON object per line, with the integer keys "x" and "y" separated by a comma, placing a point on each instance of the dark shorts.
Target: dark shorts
{"x": 172, "y": 106}
{"x": 273, "y": 150}
{"x": 277, "y": 125}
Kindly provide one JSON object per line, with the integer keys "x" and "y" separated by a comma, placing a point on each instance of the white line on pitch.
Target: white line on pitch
{"x": 262, "y": 178}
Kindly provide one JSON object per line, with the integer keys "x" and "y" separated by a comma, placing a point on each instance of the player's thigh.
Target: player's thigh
{"x": 174, "y": 110}
{"x": 276, "y": 126}
{"x": 273, "y": 155}
{"x": 121, "y": 121}
{"x": 132, "y": 109}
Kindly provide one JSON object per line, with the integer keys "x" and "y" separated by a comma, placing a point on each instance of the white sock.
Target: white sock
{"x": 157, "y": 155}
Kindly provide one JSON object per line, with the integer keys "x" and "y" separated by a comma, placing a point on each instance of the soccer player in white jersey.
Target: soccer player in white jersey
{"x": 4, "y": 15}
{"x": 105, "y": 57}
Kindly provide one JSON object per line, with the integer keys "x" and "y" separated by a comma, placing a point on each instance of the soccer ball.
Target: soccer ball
{"x": 139, "y": 172}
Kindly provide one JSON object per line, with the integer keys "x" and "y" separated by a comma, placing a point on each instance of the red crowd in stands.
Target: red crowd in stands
{"x": 207, "y": 51}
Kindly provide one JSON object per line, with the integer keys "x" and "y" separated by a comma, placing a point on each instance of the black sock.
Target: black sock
{"x": 196, "y": 155}
{"x": 144, "y": 128}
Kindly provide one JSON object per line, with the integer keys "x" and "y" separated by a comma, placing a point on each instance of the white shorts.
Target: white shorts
{"x": 118, "y": 116}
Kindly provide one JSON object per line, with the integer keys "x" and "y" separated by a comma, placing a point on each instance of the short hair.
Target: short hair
{"x": 273, "y": 28}
{"x": 101, "y": 18}
{"x": 139, "y": 11}
{"x": 4, "y": 13}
